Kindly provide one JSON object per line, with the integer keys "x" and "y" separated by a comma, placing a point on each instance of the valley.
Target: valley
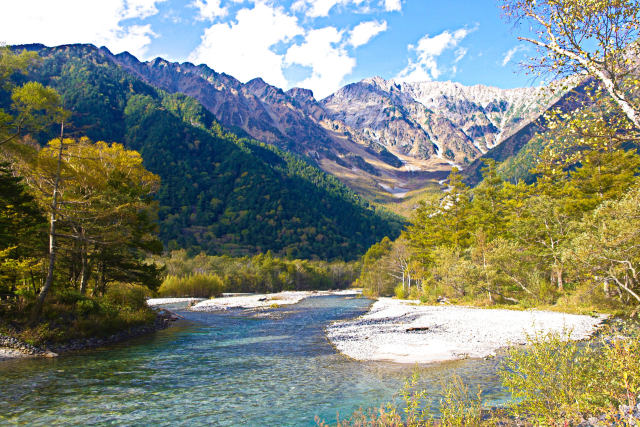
{"x": 217, "y": 212}
{"x": 375, "y": 135}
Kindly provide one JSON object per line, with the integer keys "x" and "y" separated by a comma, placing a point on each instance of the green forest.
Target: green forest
{"x": 84, "y": 222}
{"x": 207, "y": 276}
{"x": 218, "y": 193}
{"x": 569, "y": 239}
{"x": 112, "y": 191}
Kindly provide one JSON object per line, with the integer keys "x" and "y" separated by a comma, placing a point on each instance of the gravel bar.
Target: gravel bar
{"x": 405, "y": 332}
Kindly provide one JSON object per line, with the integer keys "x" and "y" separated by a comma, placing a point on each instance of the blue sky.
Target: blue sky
{"x": 318, "y": 44}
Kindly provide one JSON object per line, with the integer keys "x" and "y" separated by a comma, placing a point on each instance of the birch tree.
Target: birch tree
{"x": 97, "y": 195}
{"x": 594, "y": 37}
{"x": 608, "y": 251}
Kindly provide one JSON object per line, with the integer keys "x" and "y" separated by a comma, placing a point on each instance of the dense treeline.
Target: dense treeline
{"x": 77, "y": 223}
{"x": 206, "y": 276}
{"x": 219, "y": 193}
{"x": 569, "y": 237}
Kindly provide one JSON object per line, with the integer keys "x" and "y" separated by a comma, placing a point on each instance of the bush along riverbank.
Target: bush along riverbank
{"x": 162, "y": 320}
{"x": 208, "y": 276}
{"x": 553, "y": 382}
{"x": 72, "y": 321}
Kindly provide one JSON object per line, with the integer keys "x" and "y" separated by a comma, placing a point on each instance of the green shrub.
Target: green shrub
{"x": 110, "y": 320}
{"x": 415, "y": 293}
{"x": 127, "y": 295}
{"x": 548, "y": 379}
{"x": 617, "y": 373}
{"x": 195, "y": 285}
{"x": 69, "y": 296}
{"x": 554, "y": 381}
{"x": 388, "y": 414}
{"x": 86, "y": 307}
{"x": 460, "y": 407}
{"x": 40, "y": 334}
{"x": 400, "y": 292}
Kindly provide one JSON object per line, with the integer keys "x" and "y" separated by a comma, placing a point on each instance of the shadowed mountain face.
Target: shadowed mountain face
{"x": 379, "y": 137}
{"x": 220, "y": 193}
{"x": 288, "y": 120}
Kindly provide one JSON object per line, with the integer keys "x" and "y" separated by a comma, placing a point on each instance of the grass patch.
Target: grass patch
{"x": 194, "y": 285}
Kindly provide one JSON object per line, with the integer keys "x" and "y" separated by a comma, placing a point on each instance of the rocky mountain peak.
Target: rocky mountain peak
{"x": 443, "y": 120}
{"x": 376, "y": 81}
{"x": 123, "y": 56}
{"x": 256, "y": 84}
{"x": 375, "y": 130}
{"x": 301, "y": 94}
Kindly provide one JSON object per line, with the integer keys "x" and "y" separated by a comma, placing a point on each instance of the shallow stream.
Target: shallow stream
{"x": 231, "y": 368}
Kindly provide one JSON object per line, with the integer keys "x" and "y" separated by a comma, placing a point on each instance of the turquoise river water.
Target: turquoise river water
{"x": 222, "y": 369}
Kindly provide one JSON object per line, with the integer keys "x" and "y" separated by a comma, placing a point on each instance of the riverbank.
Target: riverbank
{"x": 9, "y": 353}
{"x": 155, "y": 302}
{"x": 12, "y": 348}
{"x": 405, "y": 332}
{"x": 265, "y": 301}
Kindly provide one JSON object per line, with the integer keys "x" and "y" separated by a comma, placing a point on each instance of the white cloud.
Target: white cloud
{"x": 79, "y": 21}
{"x": 425, "y": 66}
{"x": 320, "y": 8}
{"x": 134, "y": 40}
{"x": 461, "y": 52}
{"x": 141, "y": 8}
{"x": 365, "y": 31}
{"x": 209, "y": 10}
{"x": 329, "y": 61}
{"x": 244, "y": 48}
{"x": 392, "y": 5}
{"x": 510, "y": 54}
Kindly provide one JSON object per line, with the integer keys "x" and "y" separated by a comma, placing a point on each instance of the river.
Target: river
{"x": 225, "y": 369}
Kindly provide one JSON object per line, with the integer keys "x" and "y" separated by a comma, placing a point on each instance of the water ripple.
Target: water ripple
{"x": 220, "y": 368}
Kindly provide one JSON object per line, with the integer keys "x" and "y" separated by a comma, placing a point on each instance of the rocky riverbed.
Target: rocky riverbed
{"x": 406, "y": 332}
{"x": 12, "y": 348}
{"x": 264, "y": 301}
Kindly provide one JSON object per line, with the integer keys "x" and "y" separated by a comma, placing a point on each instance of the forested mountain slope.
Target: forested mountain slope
{"x": 518, "y": 153}
{"x": 219, "y": 193}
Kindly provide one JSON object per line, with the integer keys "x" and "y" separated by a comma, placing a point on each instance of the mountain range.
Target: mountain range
{"x": 377, "y": 136}
{"x": 221, "y": 193}
{"x": 249, "y": 167}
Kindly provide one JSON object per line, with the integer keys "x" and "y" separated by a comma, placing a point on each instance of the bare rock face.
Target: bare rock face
{"x": 442, "y": 119}
{"x": 262, "y": 111}
{"x": 373, "y": 134}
